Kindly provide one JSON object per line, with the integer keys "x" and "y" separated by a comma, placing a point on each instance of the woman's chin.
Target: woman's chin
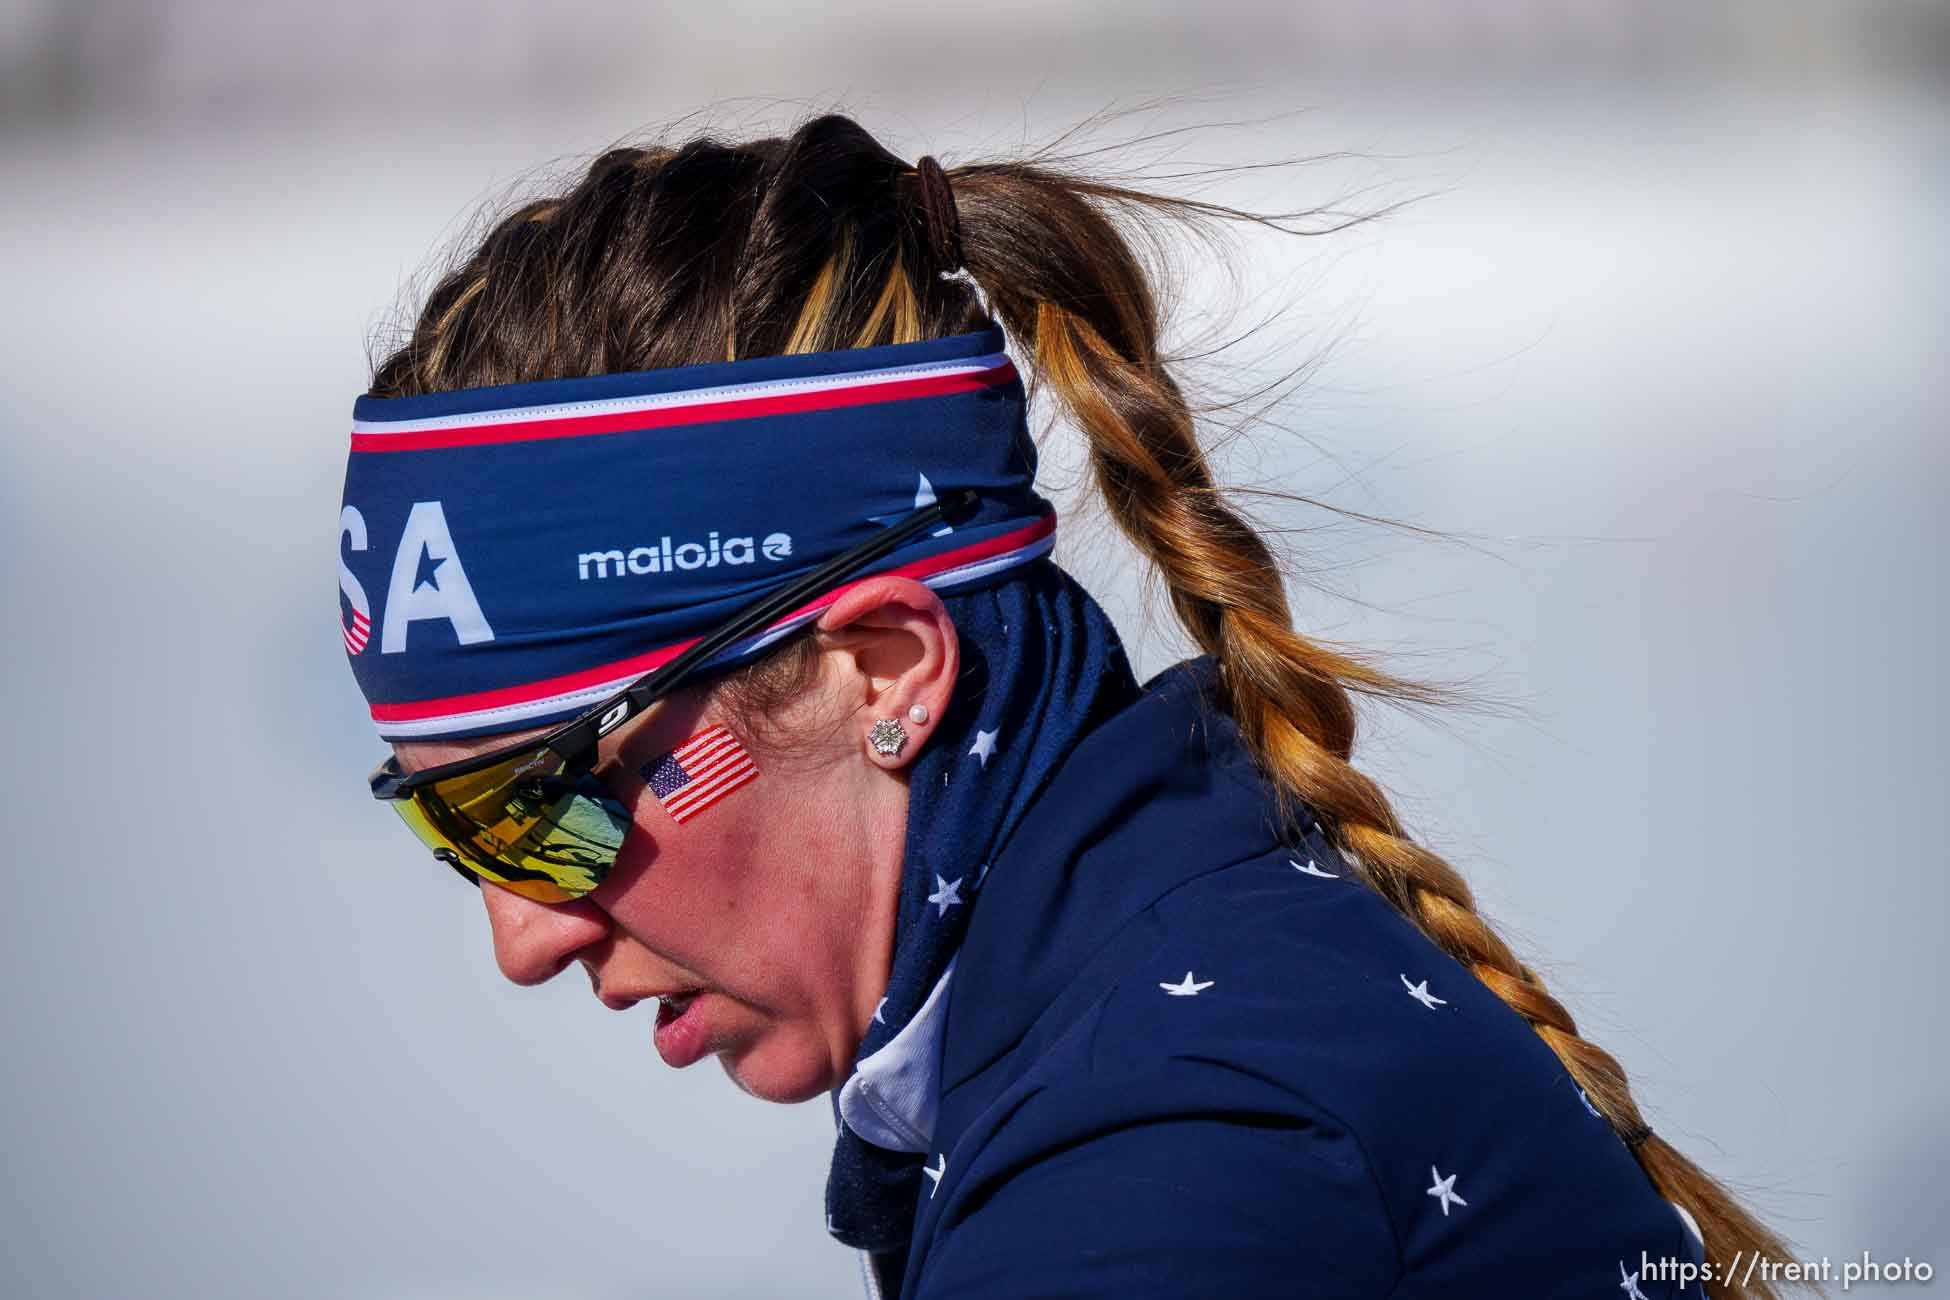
{"x": 786, "y": 1082}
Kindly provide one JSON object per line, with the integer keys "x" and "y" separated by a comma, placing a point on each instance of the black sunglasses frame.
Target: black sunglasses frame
{"x": 575, "y": 741}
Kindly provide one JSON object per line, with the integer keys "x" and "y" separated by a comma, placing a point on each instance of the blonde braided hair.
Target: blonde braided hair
{"x": 1290, "y": 696}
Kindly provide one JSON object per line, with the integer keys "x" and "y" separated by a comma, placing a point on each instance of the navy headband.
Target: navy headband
{"x": 510, "y": 556}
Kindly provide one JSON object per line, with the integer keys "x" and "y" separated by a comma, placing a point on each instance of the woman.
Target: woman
{"x": 719, "y": 644}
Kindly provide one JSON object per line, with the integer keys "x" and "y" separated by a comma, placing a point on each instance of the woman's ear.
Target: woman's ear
{"x": 897, "y": 656}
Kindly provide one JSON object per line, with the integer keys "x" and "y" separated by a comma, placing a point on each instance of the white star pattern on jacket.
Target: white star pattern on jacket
{"x": 877, "y": 1008}
{"x": 1444, "y": 1190}
{"x": 946, "y": 894}
{"x": 1186, "y": 988}
{"x": 1420, "y": 992}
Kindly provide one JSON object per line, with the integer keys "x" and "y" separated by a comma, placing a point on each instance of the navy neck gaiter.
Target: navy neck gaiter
{"x": 1041, "y": 665}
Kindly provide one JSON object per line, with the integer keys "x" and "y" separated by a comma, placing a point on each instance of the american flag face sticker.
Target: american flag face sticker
{"x": 699, "y": 772}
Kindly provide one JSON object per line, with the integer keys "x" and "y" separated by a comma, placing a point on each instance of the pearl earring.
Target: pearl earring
{"x": 918, "y": 714}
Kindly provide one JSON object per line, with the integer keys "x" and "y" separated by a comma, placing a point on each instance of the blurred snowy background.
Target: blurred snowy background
{"x": 1663, "y": 348}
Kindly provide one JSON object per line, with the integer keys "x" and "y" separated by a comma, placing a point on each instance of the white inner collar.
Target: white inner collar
{"x": 891, "y": 1099}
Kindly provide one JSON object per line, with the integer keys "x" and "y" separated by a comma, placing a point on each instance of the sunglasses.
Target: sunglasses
{"x": 530, "y": 817}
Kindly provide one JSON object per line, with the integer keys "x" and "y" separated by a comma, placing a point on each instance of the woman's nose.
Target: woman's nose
{"x": 534, "y": 941}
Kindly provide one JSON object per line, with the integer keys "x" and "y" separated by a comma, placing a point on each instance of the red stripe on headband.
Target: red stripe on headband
{"x": 637, "y": 665}
{"x": 735, "y": 408}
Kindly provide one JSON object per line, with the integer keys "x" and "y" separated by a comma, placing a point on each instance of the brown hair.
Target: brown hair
{"x": 710, "y": 250}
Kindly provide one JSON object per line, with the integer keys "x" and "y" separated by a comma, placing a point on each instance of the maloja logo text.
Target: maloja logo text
{"x": 666, "y": 558}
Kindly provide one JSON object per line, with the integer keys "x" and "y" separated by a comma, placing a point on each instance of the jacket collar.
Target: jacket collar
{"x": 1088, "y": 855}
{"x": 1160, "y": 792}
{"x": 891, "y": 1097}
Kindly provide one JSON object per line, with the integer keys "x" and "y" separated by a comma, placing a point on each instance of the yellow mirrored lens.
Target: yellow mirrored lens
{"x": 542, "y": 891}
{"x": 521, "y": 826}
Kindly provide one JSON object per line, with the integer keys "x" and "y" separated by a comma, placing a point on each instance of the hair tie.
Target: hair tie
{"x": 1636, "y": 1136}
{"x": 938, "y": 210}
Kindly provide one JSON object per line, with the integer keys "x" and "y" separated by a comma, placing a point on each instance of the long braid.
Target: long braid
{"x": 1290, "y": 696}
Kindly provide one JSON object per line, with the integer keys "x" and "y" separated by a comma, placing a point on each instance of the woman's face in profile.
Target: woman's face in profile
{"x": 763, "y": 900}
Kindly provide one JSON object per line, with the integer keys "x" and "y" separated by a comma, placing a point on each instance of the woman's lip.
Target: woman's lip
{"x": 616, "y": 1003}
{"x": 684, "y": 1039}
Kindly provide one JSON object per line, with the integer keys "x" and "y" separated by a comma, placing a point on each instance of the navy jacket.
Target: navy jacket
{"x": 1183, "y": 1058}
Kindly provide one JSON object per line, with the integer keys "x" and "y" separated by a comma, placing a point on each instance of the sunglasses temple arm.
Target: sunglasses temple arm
{"x": 575, "y": 746}
{"x": 952, "y": 507}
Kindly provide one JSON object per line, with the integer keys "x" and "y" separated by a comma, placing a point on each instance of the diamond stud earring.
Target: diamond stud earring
{"x": 888, "y": 737}
{"x": 918, "y": 714}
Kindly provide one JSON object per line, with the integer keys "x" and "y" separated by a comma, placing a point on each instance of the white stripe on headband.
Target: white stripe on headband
{"x": 688, "y": 397}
